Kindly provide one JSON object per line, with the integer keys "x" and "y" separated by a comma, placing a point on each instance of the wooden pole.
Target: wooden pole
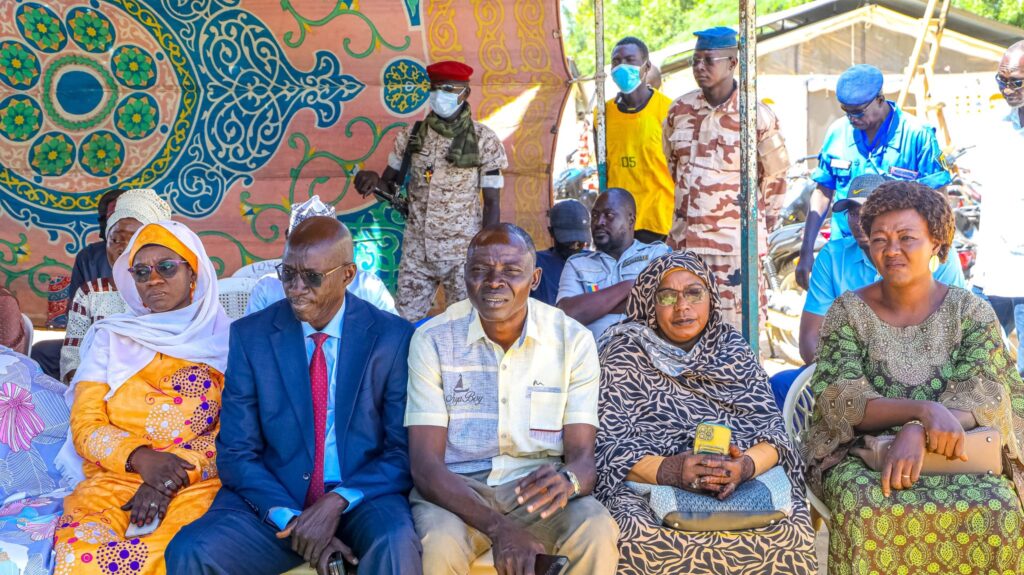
{"x": 599, "y": 78}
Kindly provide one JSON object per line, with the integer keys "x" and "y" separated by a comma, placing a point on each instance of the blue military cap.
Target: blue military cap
{"x": 715, "y": 38}
{"x": 859, "y": 84}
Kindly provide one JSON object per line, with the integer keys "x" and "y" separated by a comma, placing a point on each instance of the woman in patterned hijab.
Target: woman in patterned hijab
{"x": 670, "y": 365}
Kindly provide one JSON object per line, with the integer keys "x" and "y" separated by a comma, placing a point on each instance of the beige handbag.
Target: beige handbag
{"x": 983, "y": 445}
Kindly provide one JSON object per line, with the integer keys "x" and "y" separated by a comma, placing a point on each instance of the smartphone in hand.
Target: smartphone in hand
{"x": 712, "y": 438}
{"x": 550, "y": 564}
{"x": 136, "y": 531}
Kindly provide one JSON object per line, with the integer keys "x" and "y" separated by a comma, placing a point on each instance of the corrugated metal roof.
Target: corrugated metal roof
{"x": 961, "y": 21}
{"x": 786, "y": 21}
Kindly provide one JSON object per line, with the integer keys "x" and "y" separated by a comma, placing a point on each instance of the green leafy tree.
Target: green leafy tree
{"x": 661, "y": 23}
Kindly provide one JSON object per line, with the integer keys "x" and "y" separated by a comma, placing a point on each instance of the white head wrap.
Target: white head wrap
{"x": 308, "y": 209}
{"x": 143, "y": 205}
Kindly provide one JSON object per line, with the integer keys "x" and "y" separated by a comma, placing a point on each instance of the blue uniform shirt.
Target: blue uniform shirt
{"x": 907, "y": 150}
{"x": 280, "y": 516}
{"x": 842, "y": 266}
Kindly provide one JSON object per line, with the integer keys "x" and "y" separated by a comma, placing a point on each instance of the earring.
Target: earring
{"x": 933, "y": 264}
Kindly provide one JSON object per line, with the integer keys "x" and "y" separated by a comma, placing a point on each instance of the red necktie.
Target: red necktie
{"x": 318, "y": 386}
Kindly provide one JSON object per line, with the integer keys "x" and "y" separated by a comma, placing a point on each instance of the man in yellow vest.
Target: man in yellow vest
{"x": 636, "y": 161}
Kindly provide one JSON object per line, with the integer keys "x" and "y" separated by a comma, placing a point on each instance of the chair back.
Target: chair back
{"x": 799, "y": 406}
{"x": 234, "y": 294}
{"x": 796, "y": 415}
{"x": 257, "y": 270}
{"x": 29, "y": 333}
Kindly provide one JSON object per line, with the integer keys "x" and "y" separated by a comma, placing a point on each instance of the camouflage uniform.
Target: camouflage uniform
{"x": 445, "y": 213}
{"x": 702, "y": 145}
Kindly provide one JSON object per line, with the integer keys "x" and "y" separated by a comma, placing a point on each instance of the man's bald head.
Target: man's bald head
{"x": 322, "y": 232}
{"x": 1015, "y": 54}
{"x": 503, "y": 234}
{"x": 316, "y": 269}
{"x": 1011, "y": 74}
{"x": 612, "y": 220}
{"x": 619, "y": 198}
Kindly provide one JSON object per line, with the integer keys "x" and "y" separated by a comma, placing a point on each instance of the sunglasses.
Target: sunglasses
{"x": 450, "y": 88}
{"x": 857, "y": 112}
{"x": 666, "y": 297}
{"x": 166, "y": 268}
{"x": 312, "y": 279}
{"x": 708, "y": 61}
{"x": 1013, "y": 84}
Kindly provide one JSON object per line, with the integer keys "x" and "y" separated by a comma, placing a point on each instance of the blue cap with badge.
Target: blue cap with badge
{"x": 717, "y": 38}
{"x": 859, "y": 84}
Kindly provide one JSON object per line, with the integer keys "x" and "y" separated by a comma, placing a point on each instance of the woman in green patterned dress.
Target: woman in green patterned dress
{"x": 913, "y": 357}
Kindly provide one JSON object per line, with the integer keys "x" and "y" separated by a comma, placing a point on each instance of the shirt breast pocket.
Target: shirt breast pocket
{"x": 590, "y": 278}
{"x": 547, "y": 414}
{"x": 681, "y": 143}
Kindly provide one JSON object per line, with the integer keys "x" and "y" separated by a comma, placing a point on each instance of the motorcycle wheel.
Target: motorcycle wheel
{"x": 784, "y": 329}
{"x": 787, "y": 276}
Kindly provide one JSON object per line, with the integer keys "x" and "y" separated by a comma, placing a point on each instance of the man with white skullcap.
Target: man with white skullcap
{"x": 365, "y": 286}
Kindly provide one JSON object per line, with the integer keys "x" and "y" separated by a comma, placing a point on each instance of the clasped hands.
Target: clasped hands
{"x": 706, "y": 473}
{"x": 314, "y": 533}
{"x": 163, "y": 475}
{"x": 939, "y": 431}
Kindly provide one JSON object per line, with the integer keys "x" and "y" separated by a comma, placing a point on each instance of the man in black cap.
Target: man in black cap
{"x": 570, "y": 229}
{"x": 872, "y": 137}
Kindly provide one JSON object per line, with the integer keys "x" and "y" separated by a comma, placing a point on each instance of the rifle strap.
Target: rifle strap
{"x": 403, "y": 173}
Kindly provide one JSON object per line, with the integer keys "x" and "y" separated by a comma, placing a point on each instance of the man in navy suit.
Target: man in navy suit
{"x": 312, "y": 451}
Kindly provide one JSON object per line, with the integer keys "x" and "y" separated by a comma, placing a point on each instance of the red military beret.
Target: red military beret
{"x": 449, "y": 70}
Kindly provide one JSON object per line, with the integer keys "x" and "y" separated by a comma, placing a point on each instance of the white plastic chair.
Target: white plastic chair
{"x": 257, "y": 270}
{"x": 796, "y": 414}
{"x": 234, "y": 294}
{"x": 29, "y": 333}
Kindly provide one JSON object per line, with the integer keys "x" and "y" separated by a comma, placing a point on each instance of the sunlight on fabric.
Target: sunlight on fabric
{"x": 507, "y": 118}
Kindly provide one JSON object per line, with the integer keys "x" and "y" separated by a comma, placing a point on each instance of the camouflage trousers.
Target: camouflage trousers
{"x": 420, "y": 274}
{"x": 728, "y": 271}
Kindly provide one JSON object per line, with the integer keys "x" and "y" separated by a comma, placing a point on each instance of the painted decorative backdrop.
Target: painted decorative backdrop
{"x": 233, "y": 110}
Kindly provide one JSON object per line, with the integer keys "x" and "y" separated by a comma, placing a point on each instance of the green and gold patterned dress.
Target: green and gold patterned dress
{"x": 947, "y": 524}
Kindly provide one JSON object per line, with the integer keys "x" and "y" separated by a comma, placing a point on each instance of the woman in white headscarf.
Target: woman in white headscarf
{"x": 99, "y": 298}
{"x": 146, "y": 409}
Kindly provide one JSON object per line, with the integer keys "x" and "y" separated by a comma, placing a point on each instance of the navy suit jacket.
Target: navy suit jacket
{"x": 265, "y": 446}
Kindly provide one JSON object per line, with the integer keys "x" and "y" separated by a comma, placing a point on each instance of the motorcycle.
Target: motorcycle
{"x": 572, "y": 183}
{"x": 799, "y": 186}
{"x": 785, "y": 297}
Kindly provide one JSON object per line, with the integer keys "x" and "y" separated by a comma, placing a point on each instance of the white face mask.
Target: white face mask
{"x": 444, "y": 104}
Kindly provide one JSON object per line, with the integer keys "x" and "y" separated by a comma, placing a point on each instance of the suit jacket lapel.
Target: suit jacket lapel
{"x": 289, "y": 347}
{"x": 357, "y": 339}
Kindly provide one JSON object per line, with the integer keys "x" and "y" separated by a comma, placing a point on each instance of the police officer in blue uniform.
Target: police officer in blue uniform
{"x": 873, "y": 137}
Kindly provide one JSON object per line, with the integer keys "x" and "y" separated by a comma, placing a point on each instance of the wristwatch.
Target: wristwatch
{"x": 574, "y": 481}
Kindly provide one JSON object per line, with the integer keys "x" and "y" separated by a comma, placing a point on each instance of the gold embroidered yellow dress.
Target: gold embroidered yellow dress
{"x": 944, "y": 524}
{"x": 170, "y": 405}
